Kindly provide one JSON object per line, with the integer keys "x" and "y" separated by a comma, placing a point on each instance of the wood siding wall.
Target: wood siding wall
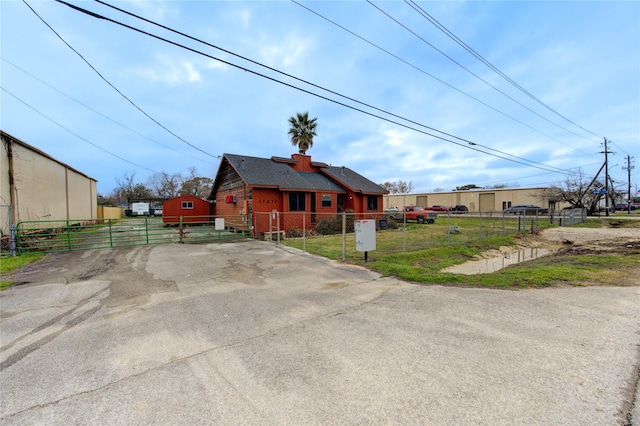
{"x": 172, "y": 209}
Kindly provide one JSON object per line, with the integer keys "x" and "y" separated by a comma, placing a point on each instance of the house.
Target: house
{"x": 301, "y": 190}
{"x": 189, "y": 207}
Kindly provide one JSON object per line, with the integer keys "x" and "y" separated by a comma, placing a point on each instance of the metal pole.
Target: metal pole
{"x": 606, "y": 177}
{"x": 12, "y": 240}
{"x": 304, "y": 232}
{"x": 448, "y": 228}
{"x": 404, "y": 231}
{"x": 68, "y": 236}
{"x": 344, "y": 236}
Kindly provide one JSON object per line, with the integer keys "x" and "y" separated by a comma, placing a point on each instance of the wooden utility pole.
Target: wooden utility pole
{"x": 606, "y": 177}
{"x": 629, "y": 168}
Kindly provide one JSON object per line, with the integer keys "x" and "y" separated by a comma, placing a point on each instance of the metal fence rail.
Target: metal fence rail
{"x": 71, "y": 235}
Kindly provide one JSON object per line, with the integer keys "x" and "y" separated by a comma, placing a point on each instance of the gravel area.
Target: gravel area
{"x": 588, "y": 235}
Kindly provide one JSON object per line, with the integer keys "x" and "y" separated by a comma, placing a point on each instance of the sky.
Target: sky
{"x": 437, "y": 93}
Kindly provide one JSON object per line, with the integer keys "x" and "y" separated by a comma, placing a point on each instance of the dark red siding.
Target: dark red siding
{"x": 172, "y": 210}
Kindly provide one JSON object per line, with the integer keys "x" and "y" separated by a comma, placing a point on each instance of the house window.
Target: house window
{"x": 187, "y": 204}
{"x": 326, "y": 200}
{"x": 372, "y": 202}
{"x": 296, "y": 202}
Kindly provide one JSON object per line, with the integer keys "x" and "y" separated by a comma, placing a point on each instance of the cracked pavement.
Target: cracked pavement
{"x": 254, "y": 333}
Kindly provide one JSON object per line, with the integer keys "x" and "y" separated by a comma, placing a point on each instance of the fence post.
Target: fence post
{"x": 180, "y": 229}
{"x": 304, "y": 231}
{"x": 404, "y": 230}
{"x": 146, "y": 228}
{"x": 278, "y": 228}
{"x": 344, "y": 236}
{"x": 68, "y": 231}
{"x": 12, "y": 240}
{"x": 110, "y": 234}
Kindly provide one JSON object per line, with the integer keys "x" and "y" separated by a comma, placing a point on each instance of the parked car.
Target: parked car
{"x": 438, "y": 208}
{"x": 459, "y": 208}
{"x": 526, "y": 209}
{"x": 410, "y": 213}
{"x": 624, "y": 207}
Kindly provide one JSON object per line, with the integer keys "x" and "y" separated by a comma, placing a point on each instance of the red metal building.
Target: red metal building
{"x": 190, "y": 208}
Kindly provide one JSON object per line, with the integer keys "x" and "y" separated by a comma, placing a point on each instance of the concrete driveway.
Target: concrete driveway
{"x": 254, "y": 333}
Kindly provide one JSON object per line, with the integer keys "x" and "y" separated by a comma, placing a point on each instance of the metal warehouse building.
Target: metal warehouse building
{"x": 36, "y": 186}
{"x": 475, "y": 199}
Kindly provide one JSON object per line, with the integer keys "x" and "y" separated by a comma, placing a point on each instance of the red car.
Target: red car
{"x": 438, "y": 208}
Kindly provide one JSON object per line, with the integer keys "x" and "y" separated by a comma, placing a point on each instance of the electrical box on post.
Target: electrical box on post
{"x": 365, "y": 231}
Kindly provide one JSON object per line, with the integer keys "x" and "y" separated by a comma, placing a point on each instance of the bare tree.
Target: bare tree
{"x": 196, "y": 185}
{"x": 399, "y": 187}
{"x": 127, "y": 188}
{"x": 577, "y": 190}
{"x": 165, "y": 185}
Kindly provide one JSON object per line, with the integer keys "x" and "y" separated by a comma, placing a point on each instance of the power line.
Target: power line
{"x": 455, "y": 38}
{"x": 472, "y": 73}
{"x": 114, "y": 87}
{"x": 470, "y": 143}
{"x": 430, "y": 75}
{"x": 73, "y": 133}
{"x": 98, "y": 112}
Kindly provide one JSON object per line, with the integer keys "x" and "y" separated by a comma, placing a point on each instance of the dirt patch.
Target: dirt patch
{"x": 131, "y": 285}
{"x": 584, "y": 241}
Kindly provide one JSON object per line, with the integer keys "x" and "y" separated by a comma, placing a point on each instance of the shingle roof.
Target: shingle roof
{"x": 353, "y": 180}
{"x": 266, "y": 172}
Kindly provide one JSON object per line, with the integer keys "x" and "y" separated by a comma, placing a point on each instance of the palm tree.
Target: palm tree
{"x": 302, "y": 131}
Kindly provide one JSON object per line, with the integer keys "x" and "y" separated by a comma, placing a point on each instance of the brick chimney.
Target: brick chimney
{"x": 303, "y": 163}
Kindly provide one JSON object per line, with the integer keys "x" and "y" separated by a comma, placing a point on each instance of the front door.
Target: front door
{"x": 313, "y": 207}
{"x": 342, "y": 200}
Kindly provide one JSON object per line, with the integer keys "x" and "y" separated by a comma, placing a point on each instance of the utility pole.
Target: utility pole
{"x": 606, "y": 177}
{"x": 606, "y": 153}
{"x": 628, "y": 168}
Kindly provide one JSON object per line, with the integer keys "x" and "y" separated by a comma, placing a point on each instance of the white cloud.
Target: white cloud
{"x": 284, "y": 53}
{"x": 171, "y": 70}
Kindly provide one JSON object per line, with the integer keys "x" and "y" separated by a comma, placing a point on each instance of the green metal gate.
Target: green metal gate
{"x": 69, "y": 235}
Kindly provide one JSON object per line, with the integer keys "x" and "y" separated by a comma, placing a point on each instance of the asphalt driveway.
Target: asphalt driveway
{"x": 254, "y": 333}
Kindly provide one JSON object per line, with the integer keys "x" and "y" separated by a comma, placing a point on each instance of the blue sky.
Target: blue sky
{"x": 579, "y": 59}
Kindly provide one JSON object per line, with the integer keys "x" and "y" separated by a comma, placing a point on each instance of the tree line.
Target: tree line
{"x": 161, "y": 185}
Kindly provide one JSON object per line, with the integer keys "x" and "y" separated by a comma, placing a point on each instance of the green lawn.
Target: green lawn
{"x": 9, "y": 264}
{"x": 430, "y": 249}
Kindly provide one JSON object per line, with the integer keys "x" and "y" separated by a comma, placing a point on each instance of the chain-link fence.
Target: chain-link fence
{"x": 333, "y": 234}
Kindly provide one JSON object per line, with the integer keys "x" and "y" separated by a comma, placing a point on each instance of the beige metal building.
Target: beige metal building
{"x": 39, "y": 187}
{"x": 474, "y": 199}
